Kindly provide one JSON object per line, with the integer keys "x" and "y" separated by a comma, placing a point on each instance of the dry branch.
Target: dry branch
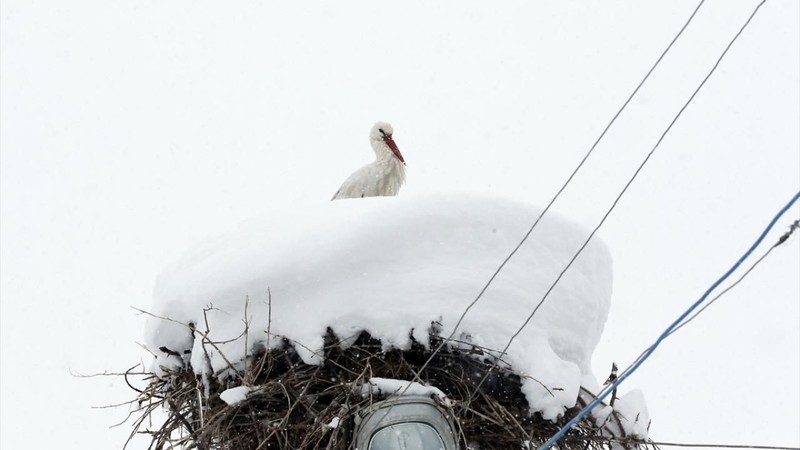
{"x": 292, "y": 403}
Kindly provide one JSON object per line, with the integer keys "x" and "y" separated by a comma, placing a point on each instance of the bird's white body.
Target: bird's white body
{"x": 382, "y": 177}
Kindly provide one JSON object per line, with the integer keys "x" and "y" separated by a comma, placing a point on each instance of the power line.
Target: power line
{"x": 627, "y": 372}
{"x": 761, "y": 447}
{"x": 678, "y": 444}
{"x": 612, "y": 386}
{"x": 792, "y": 227}
{"x": 569, "y": 179}
{"x": 710, "y": 302}
{"x": 625, "y": 188}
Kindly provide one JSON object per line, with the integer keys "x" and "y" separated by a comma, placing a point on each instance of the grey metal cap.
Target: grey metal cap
{"x": 408, "y": 422}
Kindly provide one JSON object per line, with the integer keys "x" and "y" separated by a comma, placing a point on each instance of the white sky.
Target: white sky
{"x": 131, "y": 130}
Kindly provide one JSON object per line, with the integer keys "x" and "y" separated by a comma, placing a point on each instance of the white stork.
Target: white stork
{"x": 382, "y": 177}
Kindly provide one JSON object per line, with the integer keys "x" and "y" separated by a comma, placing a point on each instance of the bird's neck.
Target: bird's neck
{"x": 392, "y": 171}
{"x": 383, "y": 152}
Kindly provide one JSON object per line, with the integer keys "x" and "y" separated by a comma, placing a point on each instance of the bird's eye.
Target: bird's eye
{"x": 382, "y": 132}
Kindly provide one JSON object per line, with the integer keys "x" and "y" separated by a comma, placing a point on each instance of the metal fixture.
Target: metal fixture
{"x": 404, "y": 423}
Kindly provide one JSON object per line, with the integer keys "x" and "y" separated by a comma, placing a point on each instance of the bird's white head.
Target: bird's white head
{"x": 381, "y": 137}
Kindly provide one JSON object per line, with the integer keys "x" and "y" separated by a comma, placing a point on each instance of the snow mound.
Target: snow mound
{"x": 391, "y": 266}
{"x": 234, "y": 396}
{"x": 634, "y": 416}
{"x": 392, "y": 387}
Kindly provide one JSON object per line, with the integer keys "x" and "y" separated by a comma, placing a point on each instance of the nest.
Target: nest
{"x": 294, "y": 405}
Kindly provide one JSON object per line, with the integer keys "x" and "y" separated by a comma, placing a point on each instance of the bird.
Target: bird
{"x": 382, "y": 177}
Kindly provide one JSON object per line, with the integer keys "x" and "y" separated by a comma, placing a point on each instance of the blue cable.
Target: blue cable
{"x": 611, "y": 387}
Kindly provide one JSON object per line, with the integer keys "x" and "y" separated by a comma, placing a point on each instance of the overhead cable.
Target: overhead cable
{"x": 627, "y": 185}
{"x": 564, "y": 186}
{"x": 792, "y": 227}
{"x": 625, "y": 374}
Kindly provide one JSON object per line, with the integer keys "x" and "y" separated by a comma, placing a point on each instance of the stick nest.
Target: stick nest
{"x": 293, "y": 404}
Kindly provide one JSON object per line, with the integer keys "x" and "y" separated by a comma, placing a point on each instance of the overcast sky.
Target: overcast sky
{"x": 132, "y": 130}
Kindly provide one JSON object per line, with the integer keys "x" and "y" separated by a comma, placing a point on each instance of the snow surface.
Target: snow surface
{"x": 392, "y": 266}
{"x": 633, "y": 413}
{"x": 235, "y": 395}
{"x": 391, "y": 387}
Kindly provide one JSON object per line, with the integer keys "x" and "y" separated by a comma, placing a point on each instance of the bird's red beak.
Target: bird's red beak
{"x": 390, "y": 142}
